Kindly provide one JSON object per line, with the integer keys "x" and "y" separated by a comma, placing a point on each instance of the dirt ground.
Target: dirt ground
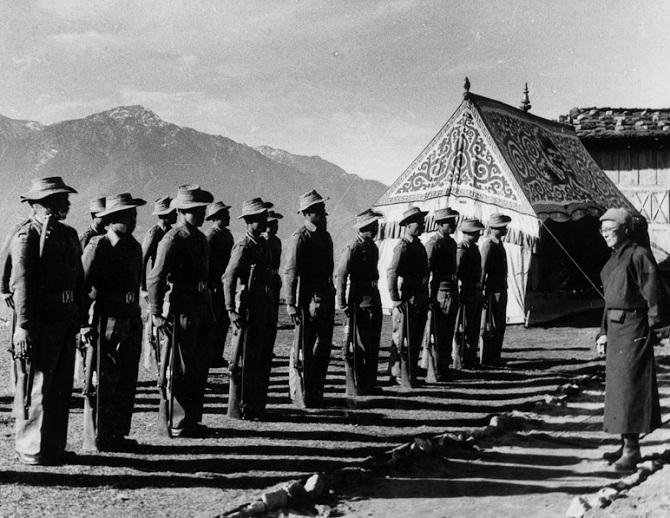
{"x": 204, "y": 477}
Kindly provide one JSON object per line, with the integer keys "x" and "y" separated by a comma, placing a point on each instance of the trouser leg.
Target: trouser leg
{"x": 44, "y": 433}
{"x": 417, "y": 325}
{"x": 322, "y": 349}
{"x": 499, "y": 324}
{"x": 129, "y": 354}
{"x": 445, "y": 323}
{"x": 472, "y": 326}
{"x": 368, "y": 323}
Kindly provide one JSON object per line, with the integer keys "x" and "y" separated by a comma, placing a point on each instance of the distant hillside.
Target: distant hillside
{"x": 131, "y": 149}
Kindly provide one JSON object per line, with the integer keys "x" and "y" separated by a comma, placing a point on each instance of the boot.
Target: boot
{"x": 612, "y": 456}
{"x": 631, "y": 453}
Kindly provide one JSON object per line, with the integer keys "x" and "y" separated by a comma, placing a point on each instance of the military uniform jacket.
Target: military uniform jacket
{"x": 275, "y": 252}
{"x": 220, "y": 242}
{"x": 6, "y": 259}
{"x": 182, "y": 261}
{"x": 359, "y": 263}
{"x": 310, "y": 258}
{"x": 247, "y": 252}
{"x": 409, "y": 262}
{"x": 113, "y": 270}
{"x": 149, "y": 249}
{"x": 468, "y": 264}
{"x": 494, "y": 265}
{"x": 49, "y": 289}
{"x": 441, "y": 252}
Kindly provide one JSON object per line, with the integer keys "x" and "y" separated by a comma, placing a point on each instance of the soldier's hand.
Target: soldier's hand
{"x": 86, "y": 333}
{"x": 9, "y": 300}
{"x": 293, "y": 314}
{"x": 236, "y": 319}
{"x": 159, "y": 322}
{"x": 22, "y": 342}
{"x": 601, "y": 345}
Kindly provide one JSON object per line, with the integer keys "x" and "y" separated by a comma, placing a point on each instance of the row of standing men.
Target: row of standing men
{"x": 198, "y": 285}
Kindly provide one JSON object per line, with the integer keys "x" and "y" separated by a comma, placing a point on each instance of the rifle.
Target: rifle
{"x": 90, "y": 390}
{"x": 296, "y": 379}
{"x": 406, "y": 368}
{"x": 486, "y": 328}
{"x": 240, "y": 343}
{"x": 349, "y": 352}
{"x": 428, "y": 351}
{"x": 22, "y": 364}
{"x": 165, "y": 378}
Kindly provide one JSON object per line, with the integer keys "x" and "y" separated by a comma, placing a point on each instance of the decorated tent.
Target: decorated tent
{"x": 492, "y": 158}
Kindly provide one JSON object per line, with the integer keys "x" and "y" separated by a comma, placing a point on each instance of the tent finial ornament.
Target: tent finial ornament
{"x": 466, "y": 87}
{"x": 525, "y": 102}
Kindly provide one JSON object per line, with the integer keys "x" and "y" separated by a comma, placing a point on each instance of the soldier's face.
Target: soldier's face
{"x": 471, "y": 237}
{"x": 257, "y": 224}
{"x": 317, "y": 215}
{"x": 415, "y": 228}
{"x": 125, "y": 222}
{"x": 171, "y": 218}
{"x": 57, "y": 205}
{"x": 195, "y": 216}
{"x": 499, "y": 232}
{"x": 271, "y": 227}
{"x": 371, "y": 229}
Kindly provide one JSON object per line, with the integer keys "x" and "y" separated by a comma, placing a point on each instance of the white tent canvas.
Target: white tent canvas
{"x": 492, "y": 158}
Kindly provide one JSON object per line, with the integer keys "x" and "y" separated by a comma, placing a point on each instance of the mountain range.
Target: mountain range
{"x": 130, "y": 148}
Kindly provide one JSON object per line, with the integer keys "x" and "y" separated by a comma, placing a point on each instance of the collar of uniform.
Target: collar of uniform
{"x": 113, "y": 237}
{"x": 494, "y": 239}
{"x": 310, "y": 226}
{"x": 186, "y": 228}
{"x": 466, "y": 244}
{"x": 162, "y": 224}
{"x": 361, "y": 238}
{"x": 409, "y": 239}
{"x": 616, "y": 252}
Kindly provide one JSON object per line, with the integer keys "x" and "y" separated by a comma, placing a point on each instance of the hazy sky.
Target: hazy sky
{"x": 364, "y": 84}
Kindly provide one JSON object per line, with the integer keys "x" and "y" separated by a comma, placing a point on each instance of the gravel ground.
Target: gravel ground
{"x": 203, "y": 477}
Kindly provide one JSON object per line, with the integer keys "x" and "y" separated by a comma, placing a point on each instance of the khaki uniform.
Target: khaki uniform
{"x": 89, "y": 234}
{"x": 220, "y": 242}
{"x": 469, "y": 271}
{"x": 409, "y": 265}
{"x": 441, "y": 252}
{"x": 113, "y": 270}
{"x": 48, "y": 295}
{"x": 257, "y": 357}
{"x": 182, "y": 266}
{"x": 494, "y": 284}
{"x": 358, "y": 265}
{"x": 309, "y": 265}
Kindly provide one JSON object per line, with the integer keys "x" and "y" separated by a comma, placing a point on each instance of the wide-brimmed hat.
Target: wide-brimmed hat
{"x": 471, "y": 225}
{"x": 253, "y": 207}
{"x": 162, "y": 206}
{"x": 618, "y": 215}
{"x": 498, "y": 220}
{"x": 40, "y": 188}
{"x": 309, "y": 199}
{"x": 119, "y": 202}
{"x": 274, "y": 216}
{"x": 365, "y": 218}
{"x": 412, "y": 214}
{"x": 96, "y": 205}
{"x": 215, "y": 208}
{"x": 190, "y": 196}
{"x": 445, "y": 214}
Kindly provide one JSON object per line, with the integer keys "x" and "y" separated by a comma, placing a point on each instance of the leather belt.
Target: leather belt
{"x": 59, "y": 297}
{"x": 364, "y": 284}
{"x": 128, "y": 297}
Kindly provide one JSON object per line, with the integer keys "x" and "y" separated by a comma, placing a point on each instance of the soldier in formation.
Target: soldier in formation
{"x": 250, "y": 311}
{"x": 310, "y": 302}
{"x": 180, "y": 303}
{"x": 270, "y": 235}
{"x": 409, "y": 298}
{"x": 220, "y": 241}
{"x": 443, "y": 287}
{"x": 362, "y": 305}
{"x": 469, "y": 271}
{"x": 47, "y": 287}
{"x": 113, "y": 331}
{"x": 494, "y": 286}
